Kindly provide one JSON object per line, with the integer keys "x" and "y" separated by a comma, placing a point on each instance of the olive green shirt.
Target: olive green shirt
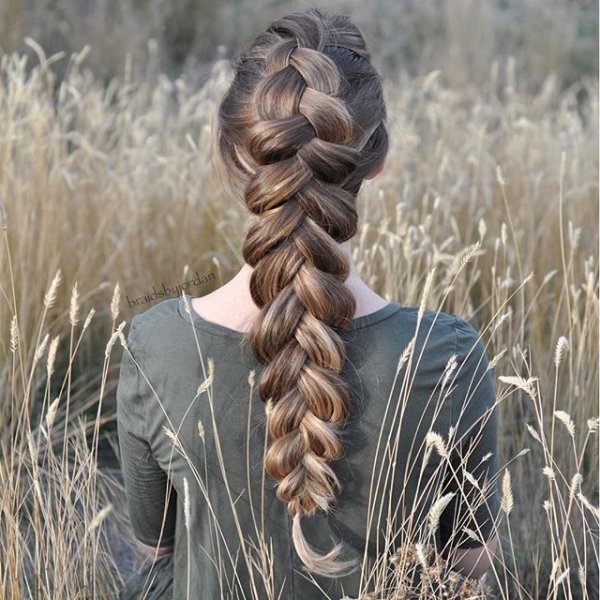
{"x": 160, "y": 387}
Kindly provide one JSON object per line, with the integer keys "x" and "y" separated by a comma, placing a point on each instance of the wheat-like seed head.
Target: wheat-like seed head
{"x": 14, "y": 334}
{"x": 503, "y": 234}
{"x": 576, "y": 482}
{"x": 470, "y": 252}
{"x": 533, "y": 433}
{"x": 41, "y": 348}
{"x": 32, "y": 449}
{"x": 562, "y": 347}
{"x": 472, "y": 534}
{"x": 173, "y": 437}
{"x": 449, "y": 369}
{"x": 562, "y": 577}
{"x": 436, "y": 510}
{"x": 51, "y": 414}
{"x": 186, "y": 504}
{"x": 210, "y": 378}
{"x": 421, "y": 555}
{"x": 74, "y": 306}
{"x": 405, "y": 354}
{"x": 50, "y": 296}
{"x": 500, "y": 320}
{"x": 52, "y": 356}
{"x": 581, "y": 576}
{"x": 500, "y": 176}
{"x": 114, "y": 303}
{"x": 482, "y": 228}
{"x": 118, "y": 333}
{"x": 595, "y": 510}
{"x": 88, "y": 319}
{"x": 437, "y": 441}
{"x": 593, "y": 424}
{"x": 469, "y": 477}
{"x": 99, "y": 517}
{"x": 425, "y": 295}
{"x": 574, "y": 236}
{"x": 527, "y": 385}
{"x": 565, "y": 418}
{"x": 507, "y": 501}
{"x": 268, "y": 407}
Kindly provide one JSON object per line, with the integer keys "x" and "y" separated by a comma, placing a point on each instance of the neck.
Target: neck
{"x": 366, "y": 298}
{"x": 232, "y": 304}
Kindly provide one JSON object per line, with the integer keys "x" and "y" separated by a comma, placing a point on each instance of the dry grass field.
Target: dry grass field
{"x": 487, "y": 207}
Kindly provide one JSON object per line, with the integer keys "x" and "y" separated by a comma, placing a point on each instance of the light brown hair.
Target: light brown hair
{"x": 299, "y": 128}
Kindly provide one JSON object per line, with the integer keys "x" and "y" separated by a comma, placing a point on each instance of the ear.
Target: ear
{"x": 376, "y": 170}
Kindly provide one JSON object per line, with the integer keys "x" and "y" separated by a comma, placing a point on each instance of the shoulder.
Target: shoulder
{"x": 443, "y": 334}
{"x": 469, "y": 343}
{"x": 435, "y": 332}
{"x": 429, "y": 338}
{"x": 452, "y": 327}
{"x": 473, "y": 367}
{"x": 156, "y": 325}
{"x": 440, "y": 322}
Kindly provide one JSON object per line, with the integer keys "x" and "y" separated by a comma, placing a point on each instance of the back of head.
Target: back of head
{"x": 300, "y": 127}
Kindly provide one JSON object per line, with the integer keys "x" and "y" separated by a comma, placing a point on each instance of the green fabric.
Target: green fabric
{"x": 159, "y": 387}
{"x": 153, "y": 581}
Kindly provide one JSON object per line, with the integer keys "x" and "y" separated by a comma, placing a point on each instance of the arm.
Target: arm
{"x": 474, "y": 449}
{"x": 151, "y": 498}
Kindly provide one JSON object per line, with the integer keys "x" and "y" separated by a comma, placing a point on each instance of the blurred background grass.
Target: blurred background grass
{"x": 106, "y": 115}
{"x": 462, "y": 38}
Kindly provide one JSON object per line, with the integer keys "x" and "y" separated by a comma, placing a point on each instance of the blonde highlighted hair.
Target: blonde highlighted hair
{"x": 299, "y": 128}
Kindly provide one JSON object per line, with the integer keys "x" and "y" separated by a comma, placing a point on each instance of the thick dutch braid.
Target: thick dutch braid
{"x": 290, "y": 134}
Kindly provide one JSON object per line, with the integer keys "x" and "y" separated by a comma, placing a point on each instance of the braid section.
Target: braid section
{"x": 298, "y": 143}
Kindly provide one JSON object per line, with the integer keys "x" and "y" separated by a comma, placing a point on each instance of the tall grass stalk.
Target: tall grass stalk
{"x": 488, "y": 203}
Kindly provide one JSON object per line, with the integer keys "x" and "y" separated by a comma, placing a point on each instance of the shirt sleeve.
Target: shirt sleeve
{"x": 150, "y": 496}
{"x": 474, "y": 447}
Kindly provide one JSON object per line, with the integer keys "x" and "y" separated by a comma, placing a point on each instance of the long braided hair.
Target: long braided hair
{"x": 301, "y": 125}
